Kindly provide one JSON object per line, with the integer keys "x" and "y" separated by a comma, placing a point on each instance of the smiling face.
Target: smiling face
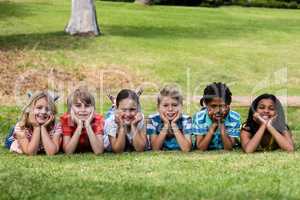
{"x": 169, "y": 107}
{"x": 217, "y": 109}
{"x": 81, "y": 110}
{"x": 266, "y": 109}
{"x": 41, "y": 110}
{"x": 128, "y": 109}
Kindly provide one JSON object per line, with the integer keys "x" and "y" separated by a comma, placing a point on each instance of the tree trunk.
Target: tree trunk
{"x": 83, "y": 21}
{"x": 144, "y": 2}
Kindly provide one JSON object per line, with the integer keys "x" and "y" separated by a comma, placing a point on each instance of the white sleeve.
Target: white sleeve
{"x": 110, "y": 127}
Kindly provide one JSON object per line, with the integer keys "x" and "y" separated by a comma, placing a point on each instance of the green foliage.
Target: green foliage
{"x": 289, "y": 4}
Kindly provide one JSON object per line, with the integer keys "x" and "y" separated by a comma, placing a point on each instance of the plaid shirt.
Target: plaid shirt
{"x": 155, "y": 125}
{"x": 202, "y": 123}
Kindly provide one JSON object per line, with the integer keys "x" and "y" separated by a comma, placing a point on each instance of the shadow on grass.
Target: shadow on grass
{"x": 172, "y": 32}
{"x": 44, "y": 41}
{"x": 9, "y": 9}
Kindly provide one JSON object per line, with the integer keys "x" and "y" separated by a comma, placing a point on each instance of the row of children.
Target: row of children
{"x": 125, "y": 128}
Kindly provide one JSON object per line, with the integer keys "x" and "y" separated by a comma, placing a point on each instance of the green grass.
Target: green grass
{"x": 151, "y": 175}
{"x": 250, "y": 49}
{"x": 243, "y": 47}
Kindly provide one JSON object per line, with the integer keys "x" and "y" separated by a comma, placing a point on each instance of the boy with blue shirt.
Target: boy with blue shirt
{"x": 216, "y": 126}
{"x": 169, "y": 129}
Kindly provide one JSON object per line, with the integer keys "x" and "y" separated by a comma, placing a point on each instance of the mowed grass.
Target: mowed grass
{"x": 151, "y": 175}
{"x": 253, "y": 50}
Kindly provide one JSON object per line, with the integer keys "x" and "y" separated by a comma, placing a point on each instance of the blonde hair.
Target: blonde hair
{"x": 24, "y": 123}
{"x": 83, "y": 95}
{"x": 171, "y": 91}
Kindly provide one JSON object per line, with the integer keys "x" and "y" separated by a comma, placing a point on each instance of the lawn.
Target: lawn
{"x": 253, "y": 50}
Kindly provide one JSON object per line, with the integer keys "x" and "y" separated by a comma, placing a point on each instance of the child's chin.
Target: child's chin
{"x": 127, "y": 123}
{"x": 41, "y": 122}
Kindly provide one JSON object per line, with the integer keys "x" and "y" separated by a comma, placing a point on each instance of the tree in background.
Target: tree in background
{"x": 83, "y": 21}
{"x": 144, "y": 2}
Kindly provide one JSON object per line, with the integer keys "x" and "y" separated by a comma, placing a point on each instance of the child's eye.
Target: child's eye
{"x": 213, "y": 106}
{"x": 87, "y": 105}
{"x": 175, "y": 105}
{"x": 261, "y": 107}
{"x": 39, "y": 107}
{"x": 272, "y": 108}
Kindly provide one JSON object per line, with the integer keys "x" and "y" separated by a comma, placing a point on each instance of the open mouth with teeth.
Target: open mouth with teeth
{"x": 83, "y": 116}
{"x": 171, "y": 116}
{"x": 218, "y": 115}
{"x": 265, "y": 117}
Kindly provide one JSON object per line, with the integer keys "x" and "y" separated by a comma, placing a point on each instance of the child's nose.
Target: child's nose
{"x": 266, "y": 111}
{"x": 44, "y": 110}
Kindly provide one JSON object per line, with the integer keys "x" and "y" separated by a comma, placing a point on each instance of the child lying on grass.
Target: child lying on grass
{"x": 37, "y": 130}
{"x": 265, "y": 127}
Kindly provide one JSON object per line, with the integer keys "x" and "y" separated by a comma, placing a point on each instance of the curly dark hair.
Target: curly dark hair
{"x": 219, "y": 90}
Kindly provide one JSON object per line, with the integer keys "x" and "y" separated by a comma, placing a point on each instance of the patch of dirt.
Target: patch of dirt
{"x": 20, "y": 75}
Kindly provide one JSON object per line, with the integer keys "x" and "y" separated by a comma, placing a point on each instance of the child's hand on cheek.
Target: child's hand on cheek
{"x": 258, "y": 119}
{"x": 177, "y": 116}
{"x": 51, "y": 118}
{"x": 88, "y": 121}
{"x": 119, "y": 119}
{"x": 76, "y": 119}
{"x": 164, "y": 118}
{"x": 138, "y": 117}
{"x": 32, "y": 120}
{"x": 270, "y": 122}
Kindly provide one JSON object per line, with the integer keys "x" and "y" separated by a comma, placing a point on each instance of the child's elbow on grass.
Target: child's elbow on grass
{"x": 186, "y": 150}
{"x": 290, "y": 149}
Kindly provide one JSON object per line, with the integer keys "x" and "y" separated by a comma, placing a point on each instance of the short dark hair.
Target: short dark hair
{"x": 219, "y": 90}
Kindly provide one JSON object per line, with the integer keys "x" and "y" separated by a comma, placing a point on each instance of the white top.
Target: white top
{"x": 111, "y": 127}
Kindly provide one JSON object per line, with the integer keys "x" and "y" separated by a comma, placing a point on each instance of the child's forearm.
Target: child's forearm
{"x": 227, "y": 143}
{"x": 96, "y": 143}
{"x": 139, "y": 140}
{"x": 33, "y": 145}
{"x": 118, "y": 146}
{"x": 253, "y": 143}
{"x": 159, "y": 140}
{"x": 184, "y": 143}
{"x": 50, "y": 147}
{"x": 204, "y": 143}
{"x": 71, "y": 146}
{"x": 280, "y": 139}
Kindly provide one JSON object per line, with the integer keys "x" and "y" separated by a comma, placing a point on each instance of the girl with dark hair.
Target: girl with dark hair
{"x": 124, "y": 126}
{"x": 265, "y": 127}
{"x": 216, "y": 126}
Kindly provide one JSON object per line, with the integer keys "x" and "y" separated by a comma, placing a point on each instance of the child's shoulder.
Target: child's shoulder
{"x": 200, "y": 115}
{"x": 65, "y": 117}
{"x": 235, "y": 115}
{"x": 185, "y": 116}
{"x": 154, "y": 116}
{"x": 98, "y": 117}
